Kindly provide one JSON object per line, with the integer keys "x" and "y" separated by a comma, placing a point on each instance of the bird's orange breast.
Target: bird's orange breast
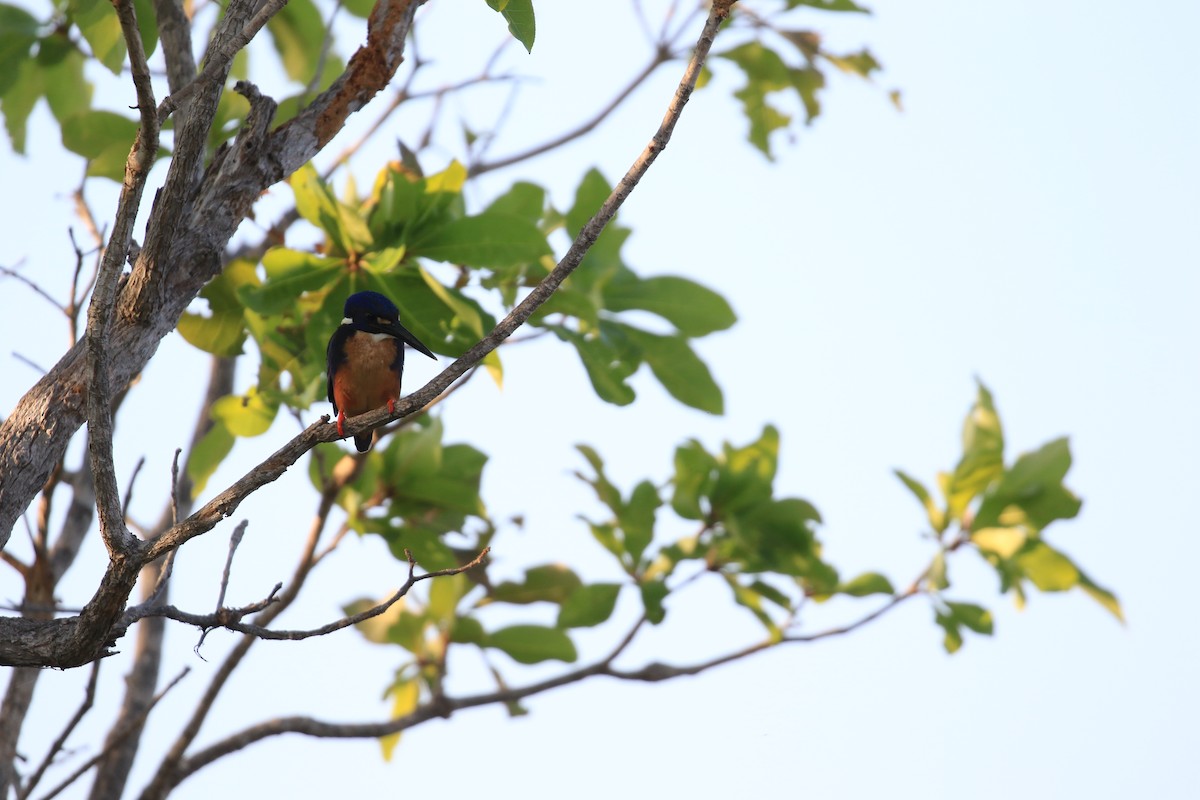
{"x": 365, "y": 380}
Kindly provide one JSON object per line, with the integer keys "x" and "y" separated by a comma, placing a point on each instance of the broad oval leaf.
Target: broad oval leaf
{"x": 532, "y": 644}
{"x": 589, "y": 605}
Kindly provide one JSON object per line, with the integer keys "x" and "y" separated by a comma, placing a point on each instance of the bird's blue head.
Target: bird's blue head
{"x": 374, "y": 313}
{"x": 365, "y": 305}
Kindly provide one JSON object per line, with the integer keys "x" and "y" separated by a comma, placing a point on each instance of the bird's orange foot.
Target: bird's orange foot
{"x": 392, "y": 406}
{"x": 341, "y": 420}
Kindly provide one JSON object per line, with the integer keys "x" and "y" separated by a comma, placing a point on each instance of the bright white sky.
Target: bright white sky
{"x": 1030, "y": 219}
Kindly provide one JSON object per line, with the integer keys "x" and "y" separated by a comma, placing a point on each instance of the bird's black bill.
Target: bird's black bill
{"x": 405, "y": 335}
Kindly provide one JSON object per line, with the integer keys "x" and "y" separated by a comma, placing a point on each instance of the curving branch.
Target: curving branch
{"x": 230, "y": 618}
{"x": 445, "y": 706}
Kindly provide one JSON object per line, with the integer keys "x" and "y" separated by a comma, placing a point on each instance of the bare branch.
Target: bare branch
{"x": 112, "y": 741}
{"x": 38, "y": 290}
{"x": 226, "y": 44}
{"x": 234, "y": 540}
{"x": 137, "y": 468}
{"x": 661, "y": 56}
{"x": 175, "y": 35}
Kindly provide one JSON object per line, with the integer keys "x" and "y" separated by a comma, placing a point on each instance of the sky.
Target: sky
{"x": 1029, "y": 220}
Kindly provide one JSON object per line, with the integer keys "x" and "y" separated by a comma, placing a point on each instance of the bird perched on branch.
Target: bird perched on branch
{"x": 365, "y": 359}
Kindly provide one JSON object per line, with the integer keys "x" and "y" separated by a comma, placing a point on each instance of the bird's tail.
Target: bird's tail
{"x": 363, "y": 441}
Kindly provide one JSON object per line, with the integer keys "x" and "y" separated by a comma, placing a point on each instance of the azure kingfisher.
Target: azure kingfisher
{"x": 365, "y": 359}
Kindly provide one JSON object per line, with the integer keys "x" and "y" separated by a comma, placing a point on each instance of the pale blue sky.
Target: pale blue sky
{"x": 1031, "y": 218}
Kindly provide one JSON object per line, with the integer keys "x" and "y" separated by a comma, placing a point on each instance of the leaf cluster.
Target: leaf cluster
{"x": 411, "y": 238}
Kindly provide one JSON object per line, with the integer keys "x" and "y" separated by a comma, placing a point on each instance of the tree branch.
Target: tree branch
{"x": 189, "y": 227}
{"x": 661, "y": 56}
{"x": 230, "y": 618}
{"x": 89, "y": 697}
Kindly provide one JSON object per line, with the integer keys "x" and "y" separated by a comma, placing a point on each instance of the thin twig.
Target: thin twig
{"x": 215, "y": 63}
{"x": 112, "y": 742}
{"x": 137, "y": 468}
{"x": 661, "y": 56}
{"x": 89, "y": 697}
{"x": 12, "y": 273}
{"x": 29, "y": 362}
{"x": 234, "y": 540}
{"x": 230, "y": 619}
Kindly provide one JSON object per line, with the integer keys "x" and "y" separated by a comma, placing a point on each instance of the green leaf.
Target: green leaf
{"x": 1002, "y": 542}
{"x": 67, "y": 91}
{"x": 606, "y": 368}
{"x": 219, "y": 334}
{"x": 523, "y": 199}
{"x": 975, "y": 617}
{"x": 752, "y": 600}
{"x": 245, "y": 415}
{"x": 18, "y": 32}
{"x": 1050, "y": 570}
{"x": 1102, "y": 596}
{"x": 693, "y": 309}
{"x": 98, "y": 23}
{"x": 936, "y": 518}
{"x": 694, "y": 476}
{"x": 147, "y": 22}
{"x": 866, "y": 584}
{"x": 491, "y": 240}
{"x": 745, "y": 477}
{"x": 532, "y": 644}
{"x": 861, "y": 63}
{"x": 982, "y": 461}
{"x": 206, "y": 455}
{"x": 467, "y": 630}
{"x": 952, "y": 640}
{"x": 678, "y": 369}
{"x": 348, "y": 232}
{"x": 405, "y": 694}
{"x": 290, "y": 273}
{"x": 552, "y": 583}
{"x": 589, "y": 605}
{"x": 359, "y": 8}
{"x": 608, "y": 494}
{"x": 519, "y": 15}
{"x": 956, "y": 616}
{"x": 24, "y": 90}
{"x": 444, "y": 595}
{"x": 103, "y": 138}
{"x": 654, "y": 595}
{"x": 637, "y": 519}
{"x": 381, "y": 628}
{"x": 298, "y": 33}
{"x": 829, "y": 5}
{"x": 765, "y": 73}
{"x": 1034, "y": 485}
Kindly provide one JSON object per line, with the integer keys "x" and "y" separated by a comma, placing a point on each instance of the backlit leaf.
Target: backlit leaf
{"x": 589, "y": 605}
{"x": 97, "y": 21}
{"x": 519, "y": 15}
{"x": 532, "y": 644}
{"x": 102, "y": 137}
{"x": 693, "y": 309}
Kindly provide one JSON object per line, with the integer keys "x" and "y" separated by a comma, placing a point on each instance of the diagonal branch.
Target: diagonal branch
{"x": 123, "y": 548}
{"x": 652, "y": 673}
{"x": 196, "y": 213}
{"x": 230, "y": 619}
{"x": 225, "y": 503}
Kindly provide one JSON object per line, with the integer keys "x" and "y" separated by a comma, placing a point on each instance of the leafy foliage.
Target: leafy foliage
{"x": 1001, "y": 512}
